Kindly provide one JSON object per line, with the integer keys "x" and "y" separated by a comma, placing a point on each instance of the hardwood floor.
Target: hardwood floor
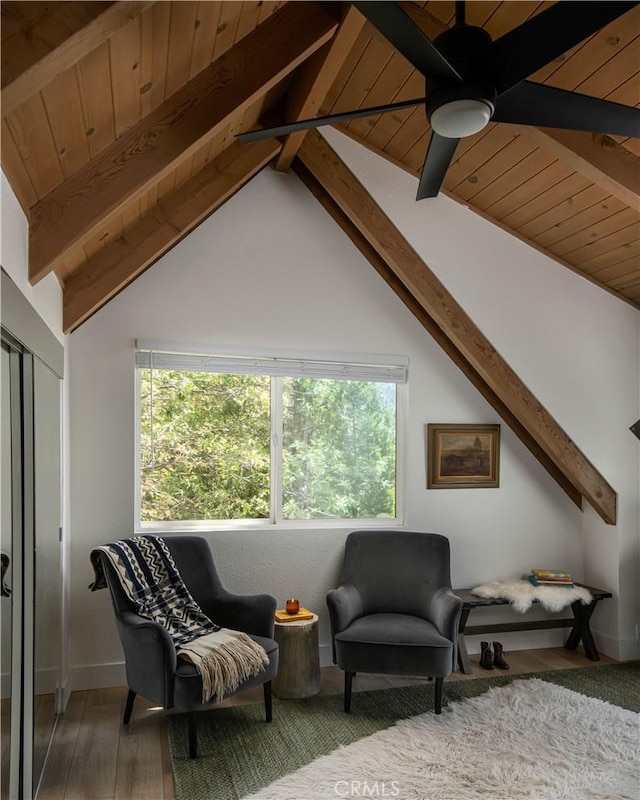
{"x": 95, "y": 757}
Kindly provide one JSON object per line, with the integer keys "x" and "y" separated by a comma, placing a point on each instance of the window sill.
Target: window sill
{"x": 211, "y": 526}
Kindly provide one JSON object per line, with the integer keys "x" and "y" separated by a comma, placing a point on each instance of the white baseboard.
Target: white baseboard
{"x": 102, "y": 676}
{"x": 326, "y": 655}
{"x": 628, "y": 650}
{"x": 97, "y": 676}
{"x": 64, "y": 693}
{"x": 46, "y": 682}
{"x": 620, "y": 649}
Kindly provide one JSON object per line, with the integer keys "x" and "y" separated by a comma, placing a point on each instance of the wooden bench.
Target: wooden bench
{"x": 579, "y": 623}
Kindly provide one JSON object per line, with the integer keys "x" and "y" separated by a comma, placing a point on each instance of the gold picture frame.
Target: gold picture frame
{"x": 462, "y": 456}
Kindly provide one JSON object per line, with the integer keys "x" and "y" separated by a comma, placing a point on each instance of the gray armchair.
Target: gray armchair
{"x": 153, "y": 669}
{"x": 394, "y": 612}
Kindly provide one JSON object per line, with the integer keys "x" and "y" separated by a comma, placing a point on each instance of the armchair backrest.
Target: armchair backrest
{"x": 194, "y": 560}
{"x": 195, "y": 563}
{"x": 396, "y": 571}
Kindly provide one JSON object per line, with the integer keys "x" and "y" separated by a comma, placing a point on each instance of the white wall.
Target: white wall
{"x": 271, "y": 269}
{"x": 575, "y": 346}
{"x": 45, "y": 296}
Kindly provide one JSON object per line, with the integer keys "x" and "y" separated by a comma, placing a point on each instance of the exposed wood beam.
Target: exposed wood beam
{"x": 314, "y": 79}
{"x": 431, "y": 295}
{"x": 599, "y": 158}
{"x": 118, "y": 264}
{"x": 425, "y": 20}
{"x": 143, "y": 155}
{"x": 385, "y": 271}
{"x": 45, "y": 45}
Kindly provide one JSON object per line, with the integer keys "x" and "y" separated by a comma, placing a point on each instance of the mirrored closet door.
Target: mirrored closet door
{"x": 31, "y": 585}
{"x": 6, "y": 568}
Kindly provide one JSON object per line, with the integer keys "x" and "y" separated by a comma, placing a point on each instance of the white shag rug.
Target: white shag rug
{"x": 521, "y": 594}
{"x": 529, "y": 740}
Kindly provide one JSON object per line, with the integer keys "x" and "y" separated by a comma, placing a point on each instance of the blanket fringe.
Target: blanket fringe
{"x": 235, "y": 658}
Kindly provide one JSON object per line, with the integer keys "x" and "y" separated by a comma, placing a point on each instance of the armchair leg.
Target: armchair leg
{"x": 268, "y": 706}
{"x": 128, "y": 707}
{"x": 193, "y": 734}
{"x": 439, "y": 688}
{"x": 348, "y": 680}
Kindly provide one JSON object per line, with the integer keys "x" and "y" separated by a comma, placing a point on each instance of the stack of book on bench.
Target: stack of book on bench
{"x": 550, "y": 577}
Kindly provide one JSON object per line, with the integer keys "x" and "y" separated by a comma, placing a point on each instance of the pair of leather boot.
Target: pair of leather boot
{"x": 492, "y": 658}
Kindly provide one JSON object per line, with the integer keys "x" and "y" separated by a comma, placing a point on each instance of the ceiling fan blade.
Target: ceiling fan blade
{"x": 399, "y": 29}
{"x": 317, "y": 122}
{"x": 545, "y": 106}
{"x": 439, "y": 154}
{"x": 532, "y": 45}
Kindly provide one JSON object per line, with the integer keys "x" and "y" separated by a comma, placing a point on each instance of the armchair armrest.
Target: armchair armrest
{"x": 150, "y": 657}
{"x": 249, "y": 613}
{"x": 345, "y": 605}
{"x": 444, "y": 612}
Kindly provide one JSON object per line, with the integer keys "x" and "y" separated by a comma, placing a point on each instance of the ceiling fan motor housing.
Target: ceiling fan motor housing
{"x": 460, "y": 44}
{"x": 472, "y": 97}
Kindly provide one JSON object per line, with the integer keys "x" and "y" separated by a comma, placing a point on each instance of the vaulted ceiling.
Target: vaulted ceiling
{"x": 119, "y": 123}
{"x": 118, "y": 126}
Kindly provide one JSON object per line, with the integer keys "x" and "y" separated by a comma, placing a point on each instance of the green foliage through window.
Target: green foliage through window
{"x": 205, "y": 451}
{"x": 338, "y": 449}
{"x": 208, "y": 446}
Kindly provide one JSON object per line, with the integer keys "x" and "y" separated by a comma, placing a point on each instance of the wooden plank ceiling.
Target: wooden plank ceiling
{"x": 109, "y": 108}
{"x": 118, "y": 138}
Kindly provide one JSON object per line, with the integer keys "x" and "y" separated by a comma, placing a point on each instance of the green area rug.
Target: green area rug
{"x": 239, "y": 753}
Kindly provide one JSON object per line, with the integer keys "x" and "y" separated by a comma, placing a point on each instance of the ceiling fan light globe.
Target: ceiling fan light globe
{"x": 460, "y": 118}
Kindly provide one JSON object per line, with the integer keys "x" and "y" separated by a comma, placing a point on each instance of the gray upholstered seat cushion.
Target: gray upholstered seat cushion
{"x": 395, "y": 643}
{"x": 393, "y": 629}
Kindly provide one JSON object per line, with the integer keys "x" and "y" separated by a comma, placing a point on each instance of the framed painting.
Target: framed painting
{"x": 462, "y": 456}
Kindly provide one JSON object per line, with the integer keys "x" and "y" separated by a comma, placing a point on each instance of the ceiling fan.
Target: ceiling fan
{"x": 472, "y": 80}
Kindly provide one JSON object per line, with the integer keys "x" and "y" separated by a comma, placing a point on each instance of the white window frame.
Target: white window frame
{"x": 365, "y": 363}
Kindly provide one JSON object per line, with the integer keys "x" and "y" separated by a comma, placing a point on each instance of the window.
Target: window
{"x": 265, "y": 439}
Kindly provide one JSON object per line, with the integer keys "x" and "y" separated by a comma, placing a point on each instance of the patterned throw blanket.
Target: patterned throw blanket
{"x": 149, "y": 576}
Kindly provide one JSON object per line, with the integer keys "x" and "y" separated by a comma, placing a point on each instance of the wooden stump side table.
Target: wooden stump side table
{"x": 299, "y": 667}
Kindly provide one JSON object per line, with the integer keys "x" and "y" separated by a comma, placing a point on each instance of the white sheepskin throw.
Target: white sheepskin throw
{"x": 530, "y": 740}
{"x": 521, "y": 594}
